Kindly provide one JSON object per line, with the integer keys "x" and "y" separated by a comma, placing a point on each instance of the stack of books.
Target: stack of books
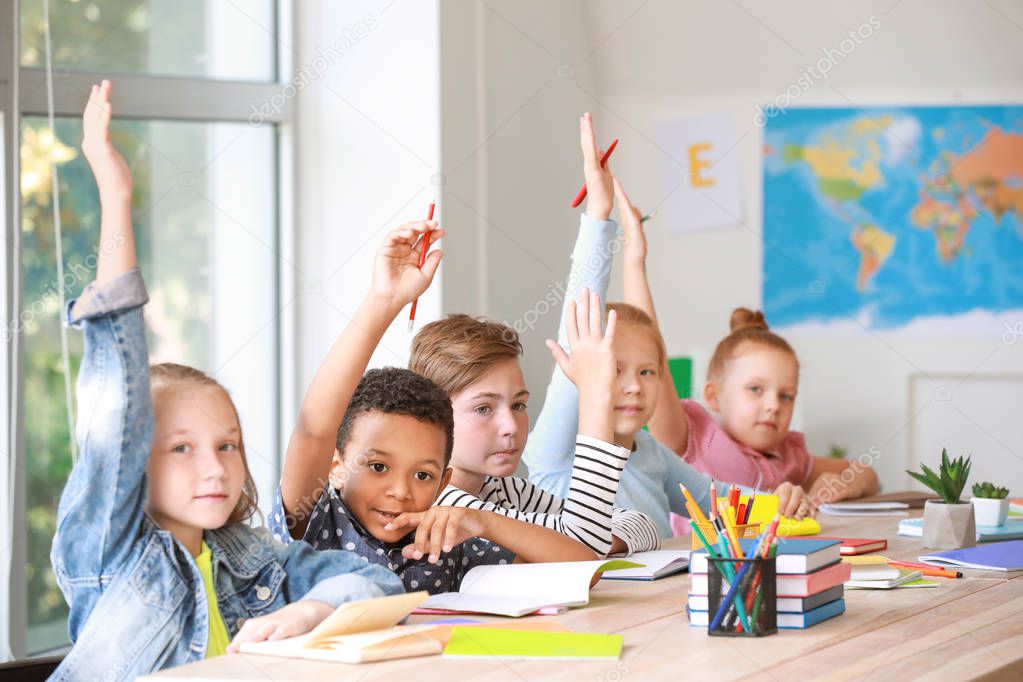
{"x": 810, "y": 577}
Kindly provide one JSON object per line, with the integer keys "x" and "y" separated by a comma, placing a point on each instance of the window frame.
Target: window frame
{"x": 23, "y": 93}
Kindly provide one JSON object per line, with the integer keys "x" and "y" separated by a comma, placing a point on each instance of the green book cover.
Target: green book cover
{"x": 477, "y": 642}
{"x": 682, "y": 374}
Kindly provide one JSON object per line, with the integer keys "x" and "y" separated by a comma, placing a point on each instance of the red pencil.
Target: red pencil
{"x": 603, "y": 162}
{"x": 733, "y": 497}
{"x": 422, "y": 261}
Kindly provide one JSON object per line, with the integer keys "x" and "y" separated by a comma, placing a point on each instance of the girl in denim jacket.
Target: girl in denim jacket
{"x": 152, "y": 550}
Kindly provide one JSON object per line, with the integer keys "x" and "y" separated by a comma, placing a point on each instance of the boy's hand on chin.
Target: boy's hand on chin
{"x": 438, "y": 530}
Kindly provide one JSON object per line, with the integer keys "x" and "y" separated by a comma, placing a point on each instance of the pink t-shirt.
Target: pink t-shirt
{"x": 711, "y": 450}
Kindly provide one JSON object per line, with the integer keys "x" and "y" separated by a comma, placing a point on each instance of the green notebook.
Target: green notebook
{"x": 477, "y": 642}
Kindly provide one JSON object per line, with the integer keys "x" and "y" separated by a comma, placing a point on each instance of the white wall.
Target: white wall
{"x": 367, "y": 133}
{"x": 479, "y": 102}
{"x": 635, "y": 63}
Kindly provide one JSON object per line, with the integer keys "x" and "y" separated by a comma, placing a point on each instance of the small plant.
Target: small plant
{"x": 990, "y": 491}
{"x": 837, "y": 452}
{"x": 950, "y": 479}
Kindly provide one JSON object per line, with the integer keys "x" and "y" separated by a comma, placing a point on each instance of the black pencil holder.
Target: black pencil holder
{"x": 756, "y": 589}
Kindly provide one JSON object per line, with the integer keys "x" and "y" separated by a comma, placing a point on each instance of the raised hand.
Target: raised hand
{"x": 599, "y": 197}
{"x": 108, "y": 166}
{"x": 592, "y": 364}
{"x": 631, "y": 220}
{"x": 396, "y": 274}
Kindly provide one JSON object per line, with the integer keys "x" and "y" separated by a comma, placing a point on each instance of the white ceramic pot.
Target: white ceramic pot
{"x": 949, "y": 526}
{"x": 990, "y": 512}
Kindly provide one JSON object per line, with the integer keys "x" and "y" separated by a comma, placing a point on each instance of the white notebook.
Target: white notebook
{"x": 904, "y": 576}
{"x": 865, "y": 509}
{"x": 519, "y": 589}
{"x": 656, "y": 564}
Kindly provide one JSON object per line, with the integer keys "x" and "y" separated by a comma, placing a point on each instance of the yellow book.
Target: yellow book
{"x": 507, "y": 644}
{"x": 765, "y": 508}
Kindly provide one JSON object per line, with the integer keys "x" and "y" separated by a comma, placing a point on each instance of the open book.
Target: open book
{"x": 361, "y": 631}
{"x": 367, "y": 630}
{"x": 519, "y": 589}
{"x": 654, "y": 564}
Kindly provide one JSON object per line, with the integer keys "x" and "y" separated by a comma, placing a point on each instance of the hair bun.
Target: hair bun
{"x": 744, "y": 318}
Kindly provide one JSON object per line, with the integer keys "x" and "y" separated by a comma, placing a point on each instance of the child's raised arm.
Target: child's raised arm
{"x": 100, "y": 513}
{"x": 592, "y": 366}
{"x": 397, "y": 280}
{"x": 549, "y": 451}
{"x": 116, "y": 237}
{"x": 668, "y": 424}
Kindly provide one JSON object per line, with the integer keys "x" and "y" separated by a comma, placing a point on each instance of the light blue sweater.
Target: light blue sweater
{"x": 650, "y": 480}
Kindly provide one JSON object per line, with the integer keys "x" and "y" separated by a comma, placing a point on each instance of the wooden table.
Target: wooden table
{"x": 967, "y": 628}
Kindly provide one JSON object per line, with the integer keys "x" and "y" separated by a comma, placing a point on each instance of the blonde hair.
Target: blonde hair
{"x": 630, "y": 314}
{"x": 169, "y": 374}
{"x": 748, "y": 327}
{"x": 457, "y": 351}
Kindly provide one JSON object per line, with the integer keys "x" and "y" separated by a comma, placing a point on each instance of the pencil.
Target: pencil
{"x": 422, "y": 261}
{"x": 713, "y": 500}
{"x": 749, "y": 505}
{"x": 927, "y": 569}
{"x": 603, "y": 162}
{"x": 696, "y": 508}
{"x": 733, "y": 497}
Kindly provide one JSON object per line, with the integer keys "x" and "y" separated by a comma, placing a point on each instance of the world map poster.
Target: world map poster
{"x": 896, "y": 219}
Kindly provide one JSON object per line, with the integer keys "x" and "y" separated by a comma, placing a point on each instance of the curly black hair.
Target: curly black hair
{"x": 394, "y": 390}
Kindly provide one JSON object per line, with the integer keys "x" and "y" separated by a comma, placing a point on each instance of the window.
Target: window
{"x": 205, "y": 211}
{"x": 221, "y": 39}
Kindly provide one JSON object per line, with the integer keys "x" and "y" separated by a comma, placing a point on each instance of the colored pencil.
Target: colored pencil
{"x": 422, "y": 261}
{"x": 927, "y": 569}
{"x": 696, "y": 508}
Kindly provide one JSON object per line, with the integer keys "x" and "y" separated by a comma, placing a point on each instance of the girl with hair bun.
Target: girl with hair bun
{"x": 752, "y": 382}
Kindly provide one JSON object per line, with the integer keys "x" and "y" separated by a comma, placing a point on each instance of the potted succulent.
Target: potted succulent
{"x": 948, "y": 522}
{"x": 990, "y": 504}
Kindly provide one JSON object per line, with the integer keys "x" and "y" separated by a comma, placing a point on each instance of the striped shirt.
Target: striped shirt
{"x": 587, "y": 514}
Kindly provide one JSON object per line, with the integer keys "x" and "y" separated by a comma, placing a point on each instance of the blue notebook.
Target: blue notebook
{"x": 1010, "y": 530}
{"x": 786, "y": 621}
{"x": 795, "y": 555}
{"x": 995, "y": 556}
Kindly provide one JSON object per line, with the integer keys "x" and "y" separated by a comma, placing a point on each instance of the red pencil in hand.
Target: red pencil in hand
{"x": 422, "y": 260}
{"x": 603, "y": 162}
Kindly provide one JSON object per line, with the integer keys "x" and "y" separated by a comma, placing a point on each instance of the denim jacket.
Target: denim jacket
{"x": 136, "y": 597}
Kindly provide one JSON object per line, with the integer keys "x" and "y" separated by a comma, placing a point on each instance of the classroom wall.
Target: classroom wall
{"x": 367, "y": 145}
{"x": 515, "y": 76}
{"x": 477, "y": 103}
